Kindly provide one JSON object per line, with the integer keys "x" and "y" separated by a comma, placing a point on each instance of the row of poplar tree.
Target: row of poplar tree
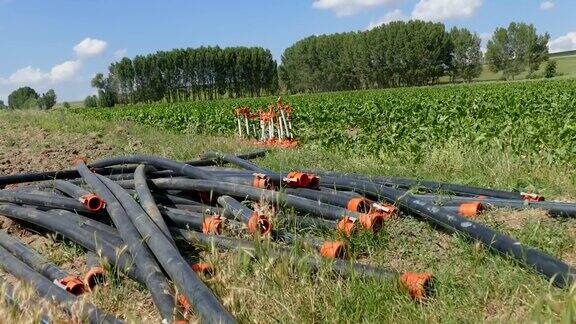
{"x": 187, "y": 74}
{"x": 391, "y": 55}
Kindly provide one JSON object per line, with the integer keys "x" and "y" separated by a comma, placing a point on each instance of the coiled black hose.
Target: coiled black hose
{"x": 552, "y": 208}
{"x": 43, "y": 201}
{"x": 256, "y": 223}
{"x": 47, "y": 289}
{"x": 148, "y": 203}
{"x": 559, "y": 272}
{"x": 302, "y": 204}
{"x": 9, "y": 296}
{"x": 155, "y": 280}
{"x": 201, "y": 298}
{"x": 430, "y": 185}
{"x": 34, "y": 260}
{"x": 68, "y": 228}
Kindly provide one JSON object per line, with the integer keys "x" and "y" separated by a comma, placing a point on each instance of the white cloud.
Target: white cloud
{"x": 90, "y": 47}
{"x": 26, "y": 75}
{"x": 440, "y": 10}
{"x": 121, "y": 53}
{"x": 546, "y": 5}
{"x": 64, "y": 71}
{"x": 394, "y": 15}
{"x": 563, "y": 43}
{"x": 34, "y": 76}
{"x": 350, "y": 7}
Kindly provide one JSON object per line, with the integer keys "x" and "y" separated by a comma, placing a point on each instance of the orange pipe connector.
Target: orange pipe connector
{"x": 259, "y": 223}
{"x": 72, "y": 285}
{"x": 417, "y": 283}
{"x": 93, "y": 203}
{"x": 346, "y": 226}
{"x": 333, "y": 250}
{"x": 302, "y": 180}
{"x": 212, "y": 225}
{"x": 471, "y": 209}
{"x": 94, "y": 276}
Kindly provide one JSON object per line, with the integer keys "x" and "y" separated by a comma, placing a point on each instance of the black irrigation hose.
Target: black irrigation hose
{"x": 154, "y": 278}
{"x": 255, "y": 222}
{"x": 332, "y": 198}
{"x": 40, "y": 264}
{"x": 202, "y": 300}
{"x": 148, "y": 203}
{"x": 104, "y": 231}
{"x": 45, "y": 288}
{"x": 559, "y": 272}
{"x": 68, "y": 227}
{"x": 70, "y": 189}
{"x": 42, "y": 201}
{"x": 340, "y": 267}
{"x": 183, "y": 219}
{"x": 236, "y": 160}
{"x": 91, "y": 201}
{"x": 430, "y": 185}
{"x": 9, "y": 296}
{"x": 302, "y": 204}
{"x": 553, "y": 208}
{"x": 73, "y": 174}
{"x": 178, "y": 167}
{"x": 95, "y": 274}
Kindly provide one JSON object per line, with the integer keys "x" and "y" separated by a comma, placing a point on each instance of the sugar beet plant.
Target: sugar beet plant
{"x": 536, "y": 117}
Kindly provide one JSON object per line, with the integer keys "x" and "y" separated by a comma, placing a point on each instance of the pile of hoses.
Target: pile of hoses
{"x": 147, "y": 206}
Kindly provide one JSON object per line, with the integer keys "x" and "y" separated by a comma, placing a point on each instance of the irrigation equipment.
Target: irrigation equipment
{"x": 135, "y": 212}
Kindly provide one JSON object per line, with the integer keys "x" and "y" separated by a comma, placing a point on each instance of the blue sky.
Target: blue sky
{"x": 61, "y": 44}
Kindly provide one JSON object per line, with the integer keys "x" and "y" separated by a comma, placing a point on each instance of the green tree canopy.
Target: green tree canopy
{"x": 47, "y": 100}
{"x": 466, "y": 61}
{"x": 514, "y": 49}
{"x": 91, "y": 101}
{"x": 189, "y": 74}
{"x": 394, "y": 54}
{"x": 20, "y": 98}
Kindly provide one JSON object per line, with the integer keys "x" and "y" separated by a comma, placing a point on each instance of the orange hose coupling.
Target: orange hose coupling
{"x": 471, "y": 209}
{"x": 359, "y": 204}
{"x": 202, "y": 267}
{"x": 92, "y": 202}
{"x": 372, "y": 221}
{"x": 79, "y": 159}
{"x": 72, "y": 285}
{"x": 212, "y": 225}
{"x": 417, "y": 283}
{"x": 302, "y": 180}
{"x": 333, "y": 250}
{"x": 259, "y": 223}
{"x": 262, "y": 181}
{"x": 184, "y": 303}
{"x": 387, "y": 210}
{"x": 531, "y": 197}
{"x": 94, "y": 276}
{"x": 346, "y": 226}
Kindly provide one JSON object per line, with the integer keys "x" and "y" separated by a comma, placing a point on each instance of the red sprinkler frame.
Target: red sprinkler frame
{"x": 274, "y": 125}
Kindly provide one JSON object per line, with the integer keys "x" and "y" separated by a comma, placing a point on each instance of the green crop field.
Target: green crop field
{"x": 527, "y": 118}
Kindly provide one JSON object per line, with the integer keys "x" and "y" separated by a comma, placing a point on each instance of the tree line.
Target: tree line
{"x": 187, "y": 74}
{"x": 28, "y": 98}
{"x": 396, "y": 54}
{"x": 406, "y": 54}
